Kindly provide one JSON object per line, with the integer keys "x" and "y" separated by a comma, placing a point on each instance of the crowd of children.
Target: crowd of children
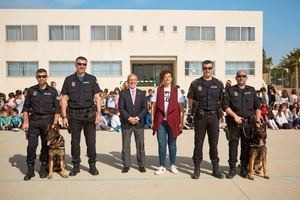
{"x": 279, "y": 111}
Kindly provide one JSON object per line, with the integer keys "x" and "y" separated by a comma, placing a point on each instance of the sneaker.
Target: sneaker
{"x": 160, "y": 170}
{"x": 173, "y": 169}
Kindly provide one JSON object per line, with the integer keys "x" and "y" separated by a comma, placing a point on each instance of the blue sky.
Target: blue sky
{"x": 281, "y": 18}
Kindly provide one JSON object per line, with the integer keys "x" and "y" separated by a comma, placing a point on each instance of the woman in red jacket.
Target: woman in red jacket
{"x": 167, "y": 115}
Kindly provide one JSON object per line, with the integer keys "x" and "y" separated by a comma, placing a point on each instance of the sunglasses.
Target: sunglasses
{"x": 207, "y": 68}
{"x": 81, "y": 64}
{"x": 241, "y": 76}
{"x": 41, "y": 76}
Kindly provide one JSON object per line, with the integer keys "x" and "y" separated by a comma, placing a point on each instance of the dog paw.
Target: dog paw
{"x": 65, "y": 175}
{"x": 266, "y": 176}
{"x": 50, "y": 177}
{"x": 251, "y": 177}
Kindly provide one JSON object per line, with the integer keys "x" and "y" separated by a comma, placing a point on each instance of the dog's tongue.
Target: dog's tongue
{"x": 261, "y": 142}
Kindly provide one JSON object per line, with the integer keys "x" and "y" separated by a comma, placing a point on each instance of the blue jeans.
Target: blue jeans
{"x": 164, "y": 134}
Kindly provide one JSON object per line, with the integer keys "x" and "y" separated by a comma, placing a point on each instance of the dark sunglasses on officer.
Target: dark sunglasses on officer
{"x": 241, "y": 76}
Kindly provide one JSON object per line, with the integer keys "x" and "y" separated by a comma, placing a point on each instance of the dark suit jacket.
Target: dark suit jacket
{"x": 127, "y": 109}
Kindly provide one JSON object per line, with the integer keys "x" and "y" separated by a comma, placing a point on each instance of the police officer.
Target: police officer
{"x": 240, "y": 104}
{"x": 41, "y": 108}
{"x": 80, "y": 92}
{"x": 205, "y": 95}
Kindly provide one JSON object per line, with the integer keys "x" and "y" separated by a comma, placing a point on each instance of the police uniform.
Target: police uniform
{"x": 244, "y": 103}
{"x": 206, "y": 96}
{"x": 42, "y": 105}
{"x": 81, "y": 113}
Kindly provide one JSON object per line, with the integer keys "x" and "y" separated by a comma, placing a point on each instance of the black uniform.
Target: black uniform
{"x": 207, "y": 96}
{"x": 41, "y": 104}
{"x": 81, "y": 113}
{"x": 243, "y": 102}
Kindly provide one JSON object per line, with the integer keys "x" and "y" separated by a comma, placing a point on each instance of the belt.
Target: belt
{"x": 81, "y": 108}
{"x": 213, "y": 112}
{"x": 41, "y": 117}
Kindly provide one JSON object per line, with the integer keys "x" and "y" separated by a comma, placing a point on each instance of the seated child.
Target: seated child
{"x": 115, "y": 120}
{"x": 16, "y": 120}
{"x": 4, "y": 120}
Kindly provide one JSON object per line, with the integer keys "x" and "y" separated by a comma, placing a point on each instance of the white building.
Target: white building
{"x": 120, "y": 42}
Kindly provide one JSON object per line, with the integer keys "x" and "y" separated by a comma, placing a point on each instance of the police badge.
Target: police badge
{"x": 199, "y": 88}
{"x": 34, "y": 93}
{"x": 236, "y": 94}
{"x": 73, "y": 83}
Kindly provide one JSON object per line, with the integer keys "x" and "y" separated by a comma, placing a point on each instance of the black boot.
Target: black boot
{"x": 93, "y": 170}
{"x": 196, "y": 174}
{"x": 30, "y": 172}
{"x": 216, "y": 172}
{"x": 43, "y": 170}
{"x": 232, "y": 171}
{"x": 244, "y": 171}
{"x": 75, "y": 170}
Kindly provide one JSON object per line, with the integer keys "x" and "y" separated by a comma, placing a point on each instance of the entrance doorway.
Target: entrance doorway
{"x": 148, "y": 74}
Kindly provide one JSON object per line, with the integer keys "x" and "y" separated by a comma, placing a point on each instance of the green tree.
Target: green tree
{"x": 291, "y": 60}
{"x": 267, "y": 62}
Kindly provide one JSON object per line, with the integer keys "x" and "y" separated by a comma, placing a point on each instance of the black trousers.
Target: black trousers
{"x": 209, "y": 124}
{"x": 37, "y": 128}
{"x": 89, "y": 130}
{"x": 237, "y": 132}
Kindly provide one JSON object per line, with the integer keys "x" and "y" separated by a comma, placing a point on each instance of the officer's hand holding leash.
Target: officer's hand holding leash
{"x": 238, "y": 119}
{"x": 65, "y": 122}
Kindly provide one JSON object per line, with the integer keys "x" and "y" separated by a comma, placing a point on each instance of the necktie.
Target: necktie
{"x": 133, "y": 96}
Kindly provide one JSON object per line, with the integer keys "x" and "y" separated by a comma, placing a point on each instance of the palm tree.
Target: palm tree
{"x": 267, "y": 63}
{"x": 292, "y": 62}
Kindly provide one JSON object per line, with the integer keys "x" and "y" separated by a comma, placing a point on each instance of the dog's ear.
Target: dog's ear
{"x": 49, "y": 127}
{"x": 55, "y": 127}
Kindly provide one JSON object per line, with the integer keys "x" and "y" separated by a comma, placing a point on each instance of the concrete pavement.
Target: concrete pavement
{"x": 283, "y": 159}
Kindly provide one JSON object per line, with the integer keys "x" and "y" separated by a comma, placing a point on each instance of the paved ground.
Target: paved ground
{"x": 283, "y": 158}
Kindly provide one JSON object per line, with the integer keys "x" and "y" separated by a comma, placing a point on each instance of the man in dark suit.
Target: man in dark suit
{"x": 133, "y": 109}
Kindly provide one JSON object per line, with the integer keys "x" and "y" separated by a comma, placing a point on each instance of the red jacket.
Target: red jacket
{"x": 173, "y": 116}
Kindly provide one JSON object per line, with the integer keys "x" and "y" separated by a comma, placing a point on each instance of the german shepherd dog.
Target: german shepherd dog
{"x": 258, "y": 152}
{"x": 56, "y": 152}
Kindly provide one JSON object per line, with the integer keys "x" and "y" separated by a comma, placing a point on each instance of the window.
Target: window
{"x": 61, "y": 68}
{"x": 64, "y": 32}
{"x": 233, "y": 33}
{"x": 194, "y": 33}
{"x": 106, "y": 68}
{"x": 194, "y": 68}
{"x": 231, "y": 67}
{"x": 25, "y": 32}
{"x": 106, "y": 32}
{"x": 175, "y": 29}
{"x": 144, "y": 28}
{"x": 207, "y": 33}
{"x": 161, "y": 28}
{"x": 113, "y": 32}
{"x": 131, "y": 28}
{"x": 248, "y": 33}
{"x": 16, "y": 69}
{"x": 240, "y": 33}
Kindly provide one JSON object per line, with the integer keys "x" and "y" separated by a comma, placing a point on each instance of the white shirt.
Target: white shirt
{"x": 167, "y": 94}
{"x": 115, "y": 121}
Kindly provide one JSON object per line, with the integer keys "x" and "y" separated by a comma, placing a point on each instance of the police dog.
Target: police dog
{"x": 258, "y": 152}
{"x": 56, "y": 152}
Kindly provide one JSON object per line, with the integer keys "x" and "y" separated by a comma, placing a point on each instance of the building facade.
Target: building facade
{"x": 119, "y": 42}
